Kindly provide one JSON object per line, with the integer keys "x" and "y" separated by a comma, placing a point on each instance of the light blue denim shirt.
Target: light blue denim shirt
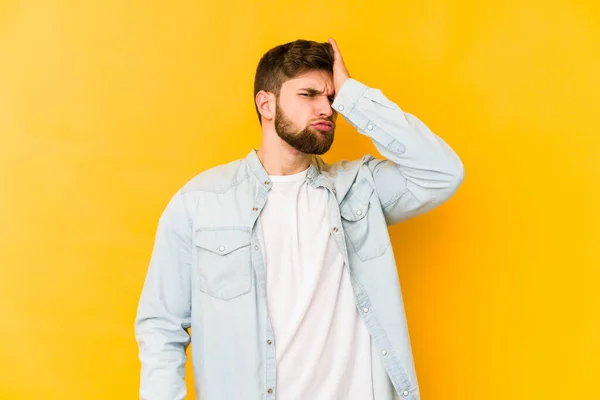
{"x": 206, "y": 278}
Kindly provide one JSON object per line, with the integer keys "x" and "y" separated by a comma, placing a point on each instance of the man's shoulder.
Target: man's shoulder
{"x": 218, "y": 179}
{"x": 344, "y": 166}
{"x": 344, "y": 174}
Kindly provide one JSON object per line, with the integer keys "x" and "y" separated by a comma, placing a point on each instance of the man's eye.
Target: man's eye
{"x": 306, "y": 94}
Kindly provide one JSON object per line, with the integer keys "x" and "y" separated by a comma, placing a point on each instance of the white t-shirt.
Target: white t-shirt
{"x": 322, "y": 347}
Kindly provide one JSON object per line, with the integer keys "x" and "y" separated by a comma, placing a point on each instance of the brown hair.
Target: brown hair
{"x": 288, "y": 61}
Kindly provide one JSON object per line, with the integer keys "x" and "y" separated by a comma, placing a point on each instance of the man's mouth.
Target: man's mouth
{"x": 323, "y": 125}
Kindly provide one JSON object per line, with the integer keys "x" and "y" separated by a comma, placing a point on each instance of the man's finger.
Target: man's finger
{"x": 336, "y": 50}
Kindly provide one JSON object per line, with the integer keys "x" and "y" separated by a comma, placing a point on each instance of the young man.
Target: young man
{"x": 281, "y": 264}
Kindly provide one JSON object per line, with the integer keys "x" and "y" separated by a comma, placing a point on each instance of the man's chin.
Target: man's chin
{"x": 321, "y": 150}
{"x": 322, "y": 139}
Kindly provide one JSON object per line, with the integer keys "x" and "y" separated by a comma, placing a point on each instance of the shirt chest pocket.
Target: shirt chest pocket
{"x": 362, "y": 222}
{"x": 224, "y": 265}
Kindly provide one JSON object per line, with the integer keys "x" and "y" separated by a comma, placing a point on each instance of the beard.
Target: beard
{"x": 309, "y": 140}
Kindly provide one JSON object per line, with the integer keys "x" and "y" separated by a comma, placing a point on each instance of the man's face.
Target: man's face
{"x": 304, "y": 118}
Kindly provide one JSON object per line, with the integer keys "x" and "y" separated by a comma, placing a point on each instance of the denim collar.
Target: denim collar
{"x": 259, "y": 172}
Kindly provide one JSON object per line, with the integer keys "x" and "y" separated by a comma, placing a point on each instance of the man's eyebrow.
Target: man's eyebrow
{"x": 312, "y": 91}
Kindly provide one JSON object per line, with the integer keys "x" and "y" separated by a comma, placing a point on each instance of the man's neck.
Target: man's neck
{"x": 279, "y": 158}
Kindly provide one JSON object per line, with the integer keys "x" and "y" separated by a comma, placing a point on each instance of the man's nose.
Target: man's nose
{"x": 325, "y": 109}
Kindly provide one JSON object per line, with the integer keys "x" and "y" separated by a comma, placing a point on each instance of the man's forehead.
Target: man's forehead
{"x": 321, "y": 81}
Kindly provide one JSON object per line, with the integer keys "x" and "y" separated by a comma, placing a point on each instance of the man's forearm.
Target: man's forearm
{"x": 164, "y": 310}
{"x": 421, "y": 170}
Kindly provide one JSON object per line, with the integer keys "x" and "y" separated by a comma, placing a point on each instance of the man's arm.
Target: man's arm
{"x": 163, "y": 316}
{"x": 421, "y": 171}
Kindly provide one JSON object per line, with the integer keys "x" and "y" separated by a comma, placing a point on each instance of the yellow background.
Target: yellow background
{"x": 108, "y": 107}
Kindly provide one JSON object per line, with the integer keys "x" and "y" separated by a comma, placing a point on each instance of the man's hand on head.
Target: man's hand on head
{"x": 340, "y": 72}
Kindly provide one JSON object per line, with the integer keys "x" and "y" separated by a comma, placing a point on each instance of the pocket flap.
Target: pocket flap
{"x": 222, "y": 241}
{"x": 356, "y": 204}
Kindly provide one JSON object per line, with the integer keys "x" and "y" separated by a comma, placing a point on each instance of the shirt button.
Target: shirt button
{"x": 335, "y": 229}
{"x": 359, "y": 212}
{"x": 384, "y": 352}
{"x": 341, "y": 107}
{"x": 370, "y": 127}
{"x": 255, "y": 247}
{"x": 405, "y": 393}
{"x": 267, "y": 183}
{"x": 254, "y": 209}
{"x": 222, "y": 248}
{"x": 269, "y": 341}
{"x": 270, "y": 391}
{"x": 366, "y": 309}
{"x": 309, "y": 176}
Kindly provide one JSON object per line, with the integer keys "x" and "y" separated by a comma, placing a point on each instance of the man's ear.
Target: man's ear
{"x": 265, "y": 102}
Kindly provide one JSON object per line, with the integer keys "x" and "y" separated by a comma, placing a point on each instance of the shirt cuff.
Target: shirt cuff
{"x": 348, "y": 96}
